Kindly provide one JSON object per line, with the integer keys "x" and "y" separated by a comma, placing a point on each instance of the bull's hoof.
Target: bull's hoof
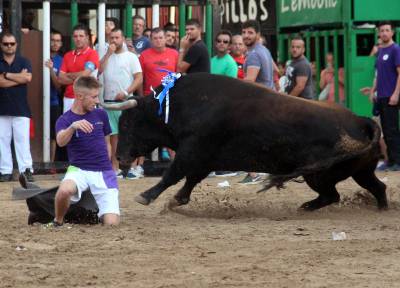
{"x": 182, "y": 200}
{"x": 383, "y": 206}
{"x": 382, "y": 203}
{"x": 317, "y": 204}
{"x": 176, "y": 202}
{"x": 142, "y": 200}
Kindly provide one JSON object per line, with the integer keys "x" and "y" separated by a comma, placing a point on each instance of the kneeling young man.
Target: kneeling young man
{"x": 85, "y": 131}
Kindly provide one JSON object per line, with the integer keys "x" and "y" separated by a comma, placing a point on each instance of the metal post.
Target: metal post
{"x": 336, "y": 64}
{"x": 74, "y": 18}
{"x": 326, "y": 43}
{"x": 101, "y": 32}
{"x": 281, "y": 45}
{"x": 1, "y": 16}
{"x": 317, "y": 60}
{"x": 346, "y": 51}
{"x": 128, "y": 19}
{"x": 15, "y": 23}
{"x": 182, "y": 17}
{"x": 308, "y": 46}
{"x": 46, "y": 82}
{"x": 209, "y": 18}
{"x": 156, "y": 13}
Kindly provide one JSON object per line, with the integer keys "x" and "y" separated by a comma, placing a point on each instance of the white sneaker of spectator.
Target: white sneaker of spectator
{"x": 139, "y": 171}
{"x": 119, "y": 174}
{"x": 132, "y": 174}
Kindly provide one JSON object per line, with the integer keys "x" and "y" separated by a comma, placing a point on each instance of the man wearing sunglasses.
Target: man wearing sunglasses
{"x": 223, "y": 63}
{"x": 15, "y": 73}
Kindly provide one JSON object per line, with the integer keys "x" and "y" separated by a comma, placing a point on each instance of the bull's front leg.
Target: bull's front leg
{"x": 183, "y": 195}
{"x": 171, "y": 176}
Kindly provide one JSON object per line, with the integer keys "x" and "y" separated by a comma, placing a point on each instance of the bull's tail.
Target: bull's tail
{"x": 370, "y": 128}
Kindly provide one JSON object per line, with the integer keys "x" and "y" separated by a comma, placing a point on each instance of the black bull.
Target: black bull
{"x": 219, "y": 123}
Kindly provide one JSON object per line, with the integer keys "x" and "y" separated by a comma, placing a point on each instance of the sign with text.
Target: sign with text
{"x": 307, "y": 12}
{"x": 235, "y": 12}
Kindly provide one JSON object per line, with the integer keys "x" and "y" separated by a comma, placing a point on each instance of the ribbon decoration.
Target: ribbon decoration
{"x": 168, "y": 82}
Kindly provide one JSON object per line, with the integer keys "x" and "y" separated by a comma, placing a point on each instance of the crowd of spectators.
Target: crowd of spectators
{"x": 130, "y": 65}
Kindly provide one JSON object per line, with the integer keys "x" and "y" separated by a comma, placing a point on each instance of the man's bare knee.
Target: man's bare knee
{"x": 66, "y": 189}
{"x": 110, "y": 219}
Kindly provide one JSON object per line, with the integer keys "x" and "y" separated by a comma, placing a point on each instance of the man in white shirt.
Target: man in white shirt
{"x": 122, "y": 76}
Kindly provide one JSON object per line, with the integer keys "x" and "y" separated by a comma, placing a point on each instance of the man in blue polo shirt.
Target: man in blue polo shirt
{"x": 54, "y": 64}
{"x": 15, "y": 73}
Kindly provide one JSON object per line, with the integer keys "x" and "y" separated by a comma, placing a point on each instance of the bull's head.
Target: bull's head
{"x": 141, "y": 130}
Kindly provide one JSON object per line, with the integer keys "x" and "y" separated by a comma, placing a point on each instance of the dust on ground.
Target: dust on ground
{"x": 225, "y": 237}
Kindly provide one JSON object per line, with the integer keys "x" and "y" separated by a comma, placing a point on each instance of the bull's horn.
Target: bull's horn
{"x": 120, "y": 106}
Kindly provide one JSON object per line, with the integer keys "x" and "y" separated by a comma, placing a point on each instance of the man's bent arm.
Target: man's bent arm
{"x": 394, "y": 99}
{"x": 136, "y": 84}
{"x": 68, "y": 78}
{"x": 108, "y": 143}
{"x": 64, "y": 136}
{"x": 252, "y": 73}
{"x": 300, "y": 84}
{"x": 4, "y": 83}
{"x": 20, "y": 78}
{"x": 182, "y": 66}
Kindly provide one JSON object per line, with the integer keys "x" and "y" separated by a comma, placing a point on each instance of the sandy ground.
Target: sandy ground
{"x": 225, "y": 237}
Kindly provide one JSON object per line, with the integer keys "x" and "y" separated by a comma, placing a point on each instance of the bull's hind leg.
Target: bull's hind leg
{"x": 368, "y": 180}
{"x": 326, "y": 190}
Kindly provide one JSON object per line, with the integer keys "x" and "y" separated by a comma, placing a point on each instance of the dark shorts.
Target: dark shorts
{"x": 55, "y": 112}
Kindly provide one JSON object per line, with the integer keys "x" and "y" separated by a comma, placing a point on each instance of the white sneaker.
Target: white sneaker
{"x": 132, "y": 174}
{"x": 139, "y": 171}
{"x": 119, "y": 174}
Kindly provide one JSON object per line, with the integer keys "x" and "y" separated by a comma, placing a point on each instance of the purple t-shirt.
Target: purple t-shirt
{"x": 387, "y": 61}
{"x": 87, "y": 151}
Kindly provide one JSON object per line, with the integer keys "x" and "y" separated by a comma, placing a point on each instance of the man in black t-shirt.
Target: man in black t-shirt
{"x": 193, "y": 53}
{"x": 299, "y": 72}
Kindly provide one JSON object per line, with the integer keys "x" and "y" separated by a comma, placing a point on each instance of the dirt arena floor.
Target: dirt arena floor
{"x": 226, "y": 237}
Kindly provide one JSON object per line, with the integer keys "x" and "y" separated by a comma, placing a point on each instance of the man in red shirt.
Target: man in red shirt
{"x": 238, "y": 50}
{"x": 83, "y": 61}
{"x": 159, "y": 56}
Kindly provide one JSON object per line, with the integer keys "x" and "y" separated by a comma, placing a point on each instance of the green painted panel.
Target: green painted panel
{"x": 375, "y": 10}
{"x": 361, "y": 73}
{"x": 306, "y": 12}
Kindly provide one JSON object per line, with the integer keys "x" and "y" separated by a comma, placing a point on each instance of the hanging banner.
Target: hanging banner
{"x": 235, "y": 12}
{"x": 308, "y": 12}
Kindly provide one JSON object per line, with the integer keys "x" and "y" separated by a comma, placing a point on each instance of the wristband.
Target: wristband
{"x": 125, "y": 93}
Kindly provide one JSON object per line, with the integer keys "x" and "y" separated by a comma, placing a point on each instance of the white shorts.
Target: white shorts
{"x": 102, "y": 184}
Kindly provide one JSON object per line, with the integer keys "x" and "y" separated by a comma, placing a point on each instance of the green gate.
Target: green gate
{"x": 338, "y": 27}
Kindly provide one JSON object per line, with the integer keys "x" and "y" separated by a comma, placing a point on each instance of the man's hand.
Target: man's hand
{"x": 49, "y": 64}
{"x": 372, "y": 96}
{"x": 394, "y": 100}
{"x": 185, "y": 43}
{"x": 111, "y": 49}
{"x": 83, "y": 125}
{"x": 120, "y": 96}
{"x": 130, "y": 46}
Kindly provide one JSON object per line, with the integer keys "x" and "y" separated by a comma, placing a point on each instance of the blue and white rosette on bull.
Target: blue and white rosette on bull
{"x": 168, "y": 82}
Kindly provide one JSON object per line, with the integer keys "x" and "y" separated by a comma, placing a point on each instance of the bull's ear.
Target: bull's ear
{"x": 120, "y": 106}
